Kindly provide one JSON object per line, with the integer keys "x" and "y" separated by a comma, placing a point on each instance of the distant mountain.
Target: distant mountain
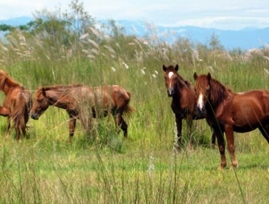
{"x": 244, "y": 39}
{"x": 17, "y": 21}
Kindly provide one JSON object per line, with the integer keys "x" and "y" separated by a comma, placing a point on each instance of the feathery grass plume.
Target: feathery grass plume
{"x": 93, "y": 43}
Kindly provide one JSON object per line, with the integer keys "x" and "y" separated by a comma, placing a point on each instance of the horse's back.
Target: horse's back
{"x": 255, "y": 98}
{"x": 121, "y": 93}
{"x": 106, "y": 96}
{"x": 246, "y": 110}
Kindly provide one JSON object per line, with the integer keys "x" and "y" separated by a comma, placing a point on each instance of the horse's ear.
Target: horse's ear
{"x": 208, "y": 76}
{"x": 176, "y": 67}
{"x": 195, "y": 75}
{"x": 164, "y": 68}
{"x": 44, "y": 92}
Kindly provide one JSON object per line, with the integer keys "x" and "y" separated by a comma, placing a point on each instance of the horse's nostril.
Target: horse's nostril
{"x": 170, "y": 92}
{"x": 34, "y": 116}
{"x": 200, "y": 109}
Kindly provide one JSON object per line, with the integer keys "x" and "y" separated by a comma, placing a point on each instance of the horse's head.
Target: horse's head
{"x": 3, "y": 76}
{"x": 41, "y": 103}
{"x": 170, "y": 78}
{"x": 202, "y": 90}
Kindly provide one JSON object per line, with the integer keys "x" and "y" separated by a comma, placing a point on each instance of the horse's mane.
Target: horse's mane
{"x": 218, "y": 92}
{"x": 9, "y": 80}
{"x": 188, "y": 84}
{"x": 46, "y": 88}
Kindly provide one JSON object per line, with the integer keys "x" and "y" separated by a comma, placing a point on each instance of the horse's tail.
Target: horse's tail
{"x": 128, "y": 110}
{"x": 20, "y": 110}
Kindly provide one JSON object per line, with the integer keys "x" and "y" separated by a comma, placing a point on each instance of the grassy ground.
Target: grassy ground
{"x": 141, "y": 169}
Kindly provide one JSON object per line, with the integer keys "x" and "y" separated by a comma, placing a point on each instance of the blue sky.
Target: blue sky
{"x": 221, "y": 14}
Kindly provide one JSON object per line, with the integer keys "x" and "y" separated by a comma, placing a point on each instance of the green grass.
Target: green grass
{"x": 40, "y": 171}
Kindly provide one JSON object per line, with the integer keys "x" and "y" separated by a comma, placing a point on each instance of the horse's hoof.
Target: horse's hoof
{"x": 190, "y": 147}
{"x": 213, "y": 146}
{"x": 234, "y": 166}
{"x": 176, "y": 147}
{"x": 221, "y": 166}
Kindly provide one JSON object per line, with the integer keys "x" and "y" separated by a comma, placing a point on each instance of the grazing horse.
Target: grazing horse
{"x": 16, "y": 106}
{"x": 184, "y": 99}
{"x": 78, "y": 100}
{"x": 227, "y": 112}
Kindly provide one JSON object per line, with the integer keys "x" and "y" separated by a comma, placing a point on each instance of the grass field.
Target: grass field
{"x": 105, "y": 167}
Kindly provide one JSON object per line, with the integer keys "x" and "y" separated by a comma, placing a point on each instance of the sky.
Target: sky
{"x": 220, "y": 14}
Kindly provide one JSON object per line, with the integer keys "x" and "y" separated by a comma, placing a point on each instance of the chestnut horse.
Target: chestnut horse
{"x": 78, "y": 100}
{"x": 227, "y": 112}
{"x": 16, "y": 106}
{"x": 183, "y": 100}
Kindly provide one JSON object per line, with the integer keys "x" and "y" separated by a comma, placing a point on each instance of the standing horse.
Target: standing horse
{"x": 78, "y": 100}
{"x": 16, "y": 106}
{"x": 227, "y": 112}
{"x": 184, "y": 99}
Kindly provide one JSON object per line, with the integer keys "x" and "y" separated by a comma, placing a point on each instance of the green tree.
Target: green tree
{"x": 214, "y": 42}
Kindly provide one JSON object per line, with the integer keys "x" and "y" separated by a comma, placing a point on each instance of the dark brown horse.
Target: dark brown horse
{"x": 227, "y": 112}
{"x": 183, "y": 102}
{"x": 82, "y": 102}
{"x": 16, "y": 106}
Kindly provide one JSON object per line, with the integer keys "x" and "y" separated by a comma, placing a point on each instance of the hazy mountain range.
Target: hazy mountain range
{"x": 244, "y": 39}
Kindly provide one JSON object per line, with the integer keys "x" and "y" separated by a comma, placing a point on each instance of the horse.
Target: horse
{"x": 228, "y": 112}
{"x": 16, "y": 106}
{"x": 78, "y": 100}
{"x": 183, "y": 101}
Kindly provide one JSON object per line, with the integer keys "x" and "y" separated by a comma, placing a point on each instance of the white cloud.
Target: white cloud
{"x": 223, "y": 22}
{"x": 208, "y": 13}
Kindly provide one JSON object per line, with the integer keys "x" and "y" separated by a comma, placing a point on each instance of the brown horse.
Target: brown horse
{"x": 78, "y": 100}
{"x": 16, "y": 106}
{"x": 228, "y": 112}
{"x": 183, "y": 102}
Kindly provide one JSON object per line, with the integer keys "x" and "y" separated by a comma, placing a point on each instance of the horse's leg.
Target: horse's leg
{"x": 119, "y": 122}
{"x": 213, "y": 140}
{"x": 72, "y": 126}
{"x": 265, "y": 132}
{"x": 179, "y": 128}
{"x": 189, "y": 125}
{"x": 221, "y": 145}
{"x": 230, "y": 142}
{"x": 4, "y": 111}
{"x": 18, "y": 134}
{"x": 8, "y": 128}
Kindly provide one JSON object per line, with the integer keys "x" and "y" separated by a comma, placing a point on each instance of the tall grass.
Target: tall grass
{"x": 143, "y": 168}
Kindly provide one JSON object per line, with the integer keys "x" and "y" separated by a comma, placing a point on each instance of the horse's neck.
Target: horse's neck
{"x": 8, "y": 85}
{"x": 58, "y": 97}
{"x": 218, "y": 94}
{"x": 181, "y": 87}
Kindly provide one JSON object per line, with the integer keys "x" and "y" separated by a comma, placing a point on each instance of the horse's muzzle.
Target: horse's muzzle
{"x": 200, "y": 109}
{"x": 35, "y": 116}
{"x": 170, "y": 92}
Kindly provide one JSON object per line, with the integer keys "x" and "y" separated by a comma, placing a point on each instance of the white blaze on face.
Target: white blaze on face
{"x": 170, "y": 74}
{"x": 200, "y": 102}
